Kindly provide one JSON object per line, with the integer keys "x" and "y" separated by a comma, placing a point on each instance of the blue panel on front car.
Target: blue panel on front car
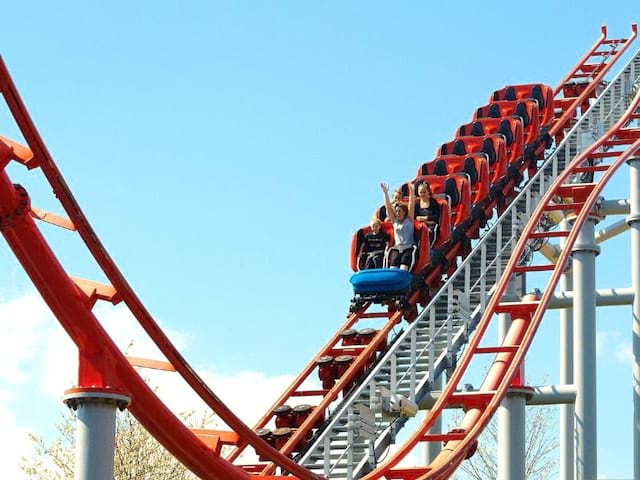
{"x": 380, "y": 280}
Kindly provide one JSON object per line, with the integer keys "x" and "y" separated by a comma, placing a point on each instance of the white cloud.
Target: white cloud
{"x": 125, "y": 330}
{"x": 25, "y": 326}
{"x": 14, "y": 444}
{"x": 624, "y": 353}
{"x": 37, "y": 352}
{"x": 35, "y": 346}
{"x": 59, "y": 364}
{"x": 21, "y": 320}
{"x": 40, "y": 353}
{"x": 604, "y": 340}
{"x": 612, "y": 345}
{"x": 61, "y": 354}
{"x": 250, "y": 394}
{"x": 236, "y": 390}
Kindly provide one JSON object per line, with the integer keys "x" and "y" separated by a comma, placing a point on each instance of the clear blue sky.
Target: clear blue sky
{"x": 225, "y": 152}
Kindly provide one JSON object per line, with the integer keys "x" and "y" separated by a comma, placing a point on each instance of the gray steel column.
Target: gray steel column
{"x": 511, "y": 412}
{"x": 634, "y": 223}
{"x": 512, "y": 437}
{"x": 95, "y": 431}
{"x": 432, "y": 449}
{"x": 566, "y": 377}
{"x": 584, "y": 353}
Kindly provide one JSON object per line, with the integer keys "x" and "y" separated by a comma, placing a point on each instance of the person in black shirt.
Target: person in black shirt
{"x": 427, "y": 211}
{"x": 373, "y": 247}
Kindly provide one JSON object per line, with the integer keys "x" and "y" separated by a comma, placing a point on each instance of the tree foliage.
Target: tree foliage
{"x": 137, "y": 454}
{"x": 541, "y": 447}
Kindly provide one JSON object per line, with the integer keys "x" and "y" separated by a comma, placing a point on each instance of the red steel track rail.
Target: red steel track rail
{"x": 595, "y": 76}
{"x": 102, "y": 363}
{"x": 569, "y": 109}
{"x": 585, "y": 70}
{"x": 328, "y": 395}
{"x": 526, "y": 315}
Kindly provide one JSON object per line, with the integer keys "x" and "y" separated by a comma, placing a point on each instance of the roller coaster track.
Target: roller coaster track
{"x": 411, "y": 362}
{"x": 430, "y": 345}
{"x": 574, "y": 199}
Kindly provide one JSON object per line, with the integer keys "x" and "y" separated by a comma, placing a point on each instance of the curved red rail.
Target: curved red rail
{"x": 527, "y": 314}
{"x": 110, "y": 366}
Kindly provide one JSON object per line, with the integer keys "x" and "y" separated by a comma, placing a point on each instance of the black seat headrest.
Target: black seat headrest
{"x": 489, "y": 150}
{"x": 505, "y": 129}
{"x": 510, "y": 94}
{"x": 536, "y": 94}
{"x": 477, "y": 129}
{"x": 451, "y": 189}
{"x": 521, "y": 110}
{"x": 440, "y": 167}
{"x": 469, "y": 168}
{"x": 494, "y": 111}
{"x": 459, "y": 148}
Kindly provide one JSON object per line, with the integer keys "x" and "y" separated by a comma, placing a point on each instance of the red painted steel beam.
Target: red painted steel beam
{"x": 306, "y": 373}
{"x": 497, "y": 372}
{"x": 592, "y": 52}
{"x": 43, "y": 159}
{"x": 104, "y": 365}
{"x": 447, "y": 468}
{"x": 583, "y": 60}
{"x": 341, "y": 385}
{"x": 584, "y": 96}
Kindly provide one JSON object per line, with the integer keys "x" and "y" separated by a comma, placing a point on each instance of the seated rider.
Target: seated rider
{"x": 402, "y": 254}
{"x": 374, "y": 246}
{"x": 427, "y": 211}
